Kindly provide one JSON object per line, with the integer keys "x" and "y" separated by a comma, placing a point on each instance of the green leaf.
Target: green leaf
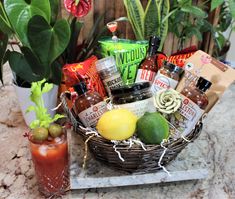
{"x": 152, "y": 19}
{"x": 164, "y": 8}
{"x": 55, "y": 10}
{"x": 5, "y": 25}
{"x": 232, "y": 7}
{"x": 20, "y": 12}
{"x": 20, "y": 66}
{"x": 30, "y": 108}
{"x": 135, "y": 13}
{"x": 3, "y": 48}
{"x": 48, "y": 42}
{"x": 56, "y": 71}
{"x": 190, "y": 31}
{"x": 34, "y": 124}
{"x": 194, "y": 11}
{"x": 47, "y": 87}
{"x": 57, "y": 116}
{"x": 34, "y": 62}
{"x": 216, "y": 3}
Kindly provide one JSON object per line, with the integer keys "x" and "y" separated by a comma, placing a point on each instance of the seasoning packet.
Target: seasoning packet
{"x": 84, "y": 71}
{"x": 128, "y": 55}
{"x": 219, "y": 74}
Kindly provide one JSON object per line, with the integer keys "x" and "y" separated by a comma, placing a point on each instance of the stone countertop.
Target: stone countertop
{"x": 214, "y": 150}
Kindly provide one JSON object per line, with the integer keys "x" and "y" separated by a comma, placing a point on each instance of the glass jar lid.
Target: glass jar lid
{"x": 130, "y": 88}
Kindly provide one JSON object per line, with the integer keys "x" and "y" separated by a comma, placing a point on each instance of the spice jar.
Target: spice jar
{"x": 168, "y": 77}
{"x": 137, "y": 98}
{"x": 89, "y": 106}
{"x": 109, "y": 73}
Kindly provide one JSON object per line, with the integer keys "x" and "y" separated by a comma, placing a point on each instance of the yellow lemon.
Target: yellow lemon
{"x": 117, "y": 124}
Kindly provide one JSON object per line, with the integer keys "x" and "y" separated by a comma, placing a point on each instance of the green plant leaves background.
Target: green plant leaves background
{"x": 20, "y": 12}
{"x": 48, "y": 42}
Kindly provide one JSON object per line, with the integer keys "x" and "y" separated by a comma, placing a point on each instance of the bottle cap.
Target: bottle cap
{"x": 130, "y": 88}
{"x": 80, "y": 88}
{"x": 203, "y": 84}
{"x": 172, "y": 67}
{"x": 154, "y": 41}
{"x": 105, "y": 63}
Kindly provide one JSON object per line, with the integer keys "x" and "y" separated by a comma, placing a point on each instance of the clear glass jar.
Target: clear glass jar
{"x": 109, "y": 73}
{"x": 137, "y": 98}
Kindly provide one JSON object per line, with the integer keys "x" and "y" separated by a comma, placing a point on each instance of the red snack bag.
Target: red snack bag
{"x": 84, "y": 71}
{"x": 180, "y": 57}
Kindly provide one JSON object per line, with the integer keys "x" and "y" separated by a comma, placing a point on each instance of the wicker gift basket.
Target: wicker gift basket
{"x": 134, "y": 158}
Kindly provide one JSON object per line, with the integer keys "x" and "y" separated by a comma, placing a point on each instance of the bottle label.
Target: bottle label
{"x": 139, "y": 107}
{"x": 114, "y": 81}
{"x": 163, "y": 82}
{"x": 187, "y": 116}
{"x": 90, "y": 116}
{"x": 145, "y": 76}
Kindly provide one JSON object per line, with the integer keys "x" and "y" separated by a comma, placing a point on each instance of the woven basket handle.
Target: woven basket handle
{"x": 69, "y": 112}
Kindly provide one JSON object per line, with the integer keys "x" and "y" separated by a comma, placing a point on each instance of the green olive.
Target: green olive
{"x": 55, "y": 130}
{"x": 40, "y": 134}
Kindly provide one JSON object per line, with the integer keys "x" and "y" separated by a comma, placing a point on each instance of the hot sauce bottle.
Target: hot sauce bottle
{"x": 197, "y": 94}
{"x": 148, "y": 67}
{"x": 89, "y": 106}
{"x": 194, "y": 103}
{"x": 167, "y": 77}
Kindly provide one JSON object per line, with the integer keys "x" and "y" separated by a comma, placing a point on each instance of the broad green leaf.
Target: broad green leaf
{"x": 135, "y": 13}
{"x": 21, "y": 67}
{"x": 55, "y": 9}
{"x": 194, "y": 11}
{"x": 48, "y": 42}
{"x": 216, "y": 3}
{"x": 152, "y": 19}
{"x": 164, "y": 8}
{"x": 56, "y": 72}
{"x": 232, "y": 7}
{"x": 3, "y": 48}
{"x": 5, "y": 25}
{"x": 34, "y": 62}
{"x": 190, "y": 31}
{"x": 20, "y": 12}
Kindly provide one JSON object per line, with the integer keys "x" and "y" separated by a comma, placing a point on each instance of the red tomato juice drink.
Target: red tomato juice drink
{"x": 51, "y": 163}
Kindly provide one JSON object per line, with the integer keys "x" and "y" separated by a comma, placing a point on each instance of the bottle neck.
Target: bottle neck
{"x": 152, "y": 51}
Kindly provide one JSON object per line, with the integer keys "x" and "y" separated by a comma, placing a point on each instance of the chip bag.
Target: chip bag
{"x": 84, "y": 71}
{"x": 128, "y": 55}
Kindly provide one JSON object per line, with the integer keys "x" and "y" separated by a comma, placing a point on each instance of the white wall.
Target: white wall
{"x": 231, "y": 53}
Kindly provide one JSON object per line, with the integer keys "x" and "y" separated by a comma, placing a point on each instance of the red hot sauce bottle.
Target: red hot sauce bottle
{"x": 194, "y": 103}
{"x": 148, "y": 67}
{"x": 89, "y": 106}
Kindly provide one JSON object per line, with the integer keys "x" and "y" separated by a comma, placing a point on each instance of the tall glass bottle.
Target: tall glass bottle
{"x": 148, "y": 67}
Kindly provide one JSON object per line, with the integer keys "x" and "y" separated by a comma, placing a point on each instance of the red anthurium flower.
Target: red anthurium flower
{"x": 78, "y": 8}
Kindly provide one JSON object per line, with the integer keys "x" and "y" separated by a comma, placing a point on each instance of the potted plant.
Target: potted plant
{"x": 48, "y": 145}
{"x": 45, "y": 43}
{"x": 223, "y": 30}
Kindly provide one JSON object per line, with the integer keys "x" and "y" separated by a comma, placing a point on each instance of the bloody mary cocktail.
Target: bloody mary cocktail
{"x": 51, "y": 162}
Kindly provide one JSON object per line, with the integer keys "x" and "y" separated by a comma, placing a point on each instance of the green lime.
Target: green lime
{"x": 55, "y": 130}
{"x": 152, "y": 128}
{"x": 40, "y": 134}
